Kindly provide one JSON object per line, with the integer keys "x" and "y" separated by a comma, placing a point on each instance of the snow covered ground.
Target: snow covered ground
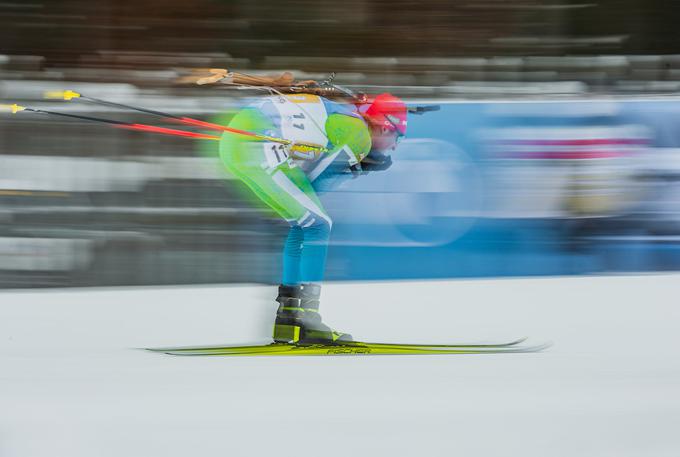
{"x": 71, "y": 383}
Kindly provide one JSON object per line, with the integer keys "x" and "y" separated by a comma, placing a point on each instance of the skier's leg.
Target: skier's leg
{"x": 310, "y": 226}
{"x": 308, "y": 240}
{"x": 254, "y": 163}
{"x": 292, "y": 256}
{"x": 303, "y": 323}
{"x": 286, "y": 190}
{"x": 298, "y": 319}
{"x": 248, "y": 160}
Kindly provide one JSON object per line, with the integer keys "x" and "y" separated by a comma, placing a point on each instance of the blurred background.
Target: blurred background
{"x": 556, "y": 149}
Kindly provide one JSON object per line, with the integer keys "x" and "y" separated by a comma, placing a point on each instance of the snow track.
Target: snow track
{"x": 72, "y": 384}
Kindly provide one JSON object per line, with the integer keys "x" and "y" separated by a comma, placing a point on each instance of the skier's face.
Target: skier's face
{"x": 384, "y": 139}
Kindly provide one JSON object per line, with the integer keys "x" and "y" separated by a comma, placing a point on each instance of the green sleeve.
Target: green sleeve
{"x": 350, "y": 133}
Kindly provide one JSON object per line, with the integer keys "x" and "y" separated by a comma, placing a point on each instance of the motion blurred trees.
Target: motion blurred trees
{"x": 66, "y": 30}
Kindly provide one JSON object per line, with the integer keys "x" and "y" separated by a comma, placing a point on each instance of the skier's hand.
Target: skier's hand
{"x": 302, "y": 151}
{"x": 376, "y": 162}
{"x": 356, "y": 170}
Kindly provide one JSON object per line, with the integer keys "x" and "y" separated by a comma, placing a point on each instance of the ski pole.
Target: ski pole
{"x": 69, "y": 95}
{"x": 296, "y": 147}
{"x": 14, "y": 108}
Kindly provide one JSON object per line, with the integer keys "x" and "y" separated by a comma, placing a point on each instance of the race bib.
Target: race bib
{"x": 303, "y": 119}
{"x": 275, "y": 154}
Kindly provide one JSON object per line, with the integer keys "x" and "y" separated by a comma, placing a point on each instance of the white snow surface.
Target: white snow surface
{"x": 72, "y": 384}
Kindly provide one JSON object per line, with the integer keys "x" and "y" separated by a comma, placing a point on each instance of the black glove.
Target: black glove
{"x": 375, "y": 162}
{"x": 357, "y": 170}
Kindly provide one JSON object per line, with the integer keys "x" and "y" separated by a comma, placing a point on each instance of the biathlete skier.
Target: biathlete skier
{"x": 352, "y": 140}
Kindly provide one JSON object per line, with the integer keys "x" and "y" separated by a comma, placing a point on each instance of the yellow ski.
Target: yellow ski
{"x": 353, "y": 348}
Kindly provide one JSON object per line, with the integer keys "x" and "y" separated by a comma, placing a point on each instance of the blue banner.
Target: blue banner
{"x": 527, "y": 188}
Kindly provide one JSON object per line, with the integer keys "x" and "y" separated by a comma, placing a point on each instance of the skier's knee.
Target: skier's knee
{"x": 317, "y": 227}
{"x": 320, "y": 226}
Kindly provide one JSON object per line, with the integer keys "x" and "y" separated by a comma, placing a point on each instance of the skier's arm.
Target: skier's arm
{"x": 350, "y": 137}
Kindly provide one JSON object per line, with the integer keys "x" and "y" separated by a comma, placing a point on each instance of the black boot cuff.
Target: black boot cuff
{"x": 288, "y": 292}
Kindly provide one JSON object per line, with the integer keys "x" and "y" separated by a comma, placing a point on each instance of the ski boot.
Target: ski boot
{"x": 298, "y": 320}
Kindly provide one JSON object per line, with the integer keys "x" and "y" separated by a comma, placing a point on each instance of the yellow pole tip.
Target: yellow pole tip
{"x": 13, "y": 108}
{"x": 69, "y": 94}
{"x": 61, "y": 94}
